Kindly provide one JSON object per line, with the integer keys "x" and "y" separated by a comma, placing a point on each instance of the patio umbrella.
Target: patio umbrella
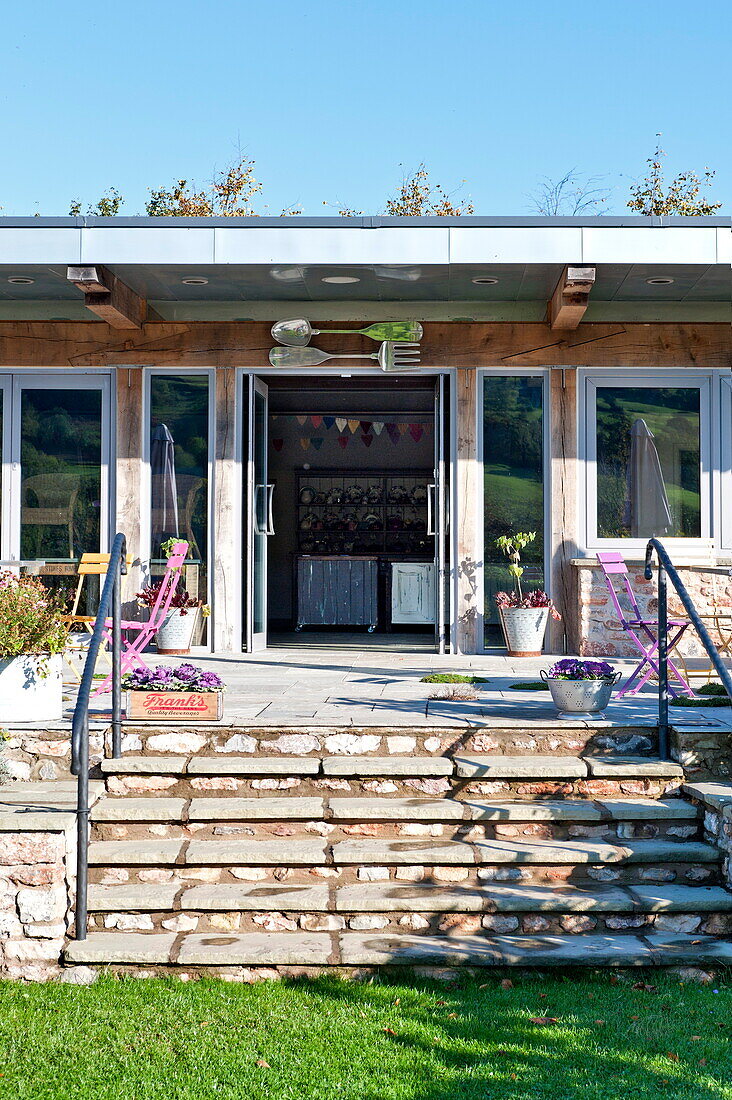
{"x": 164, "y": 491}
{"x": 647, "y": 510}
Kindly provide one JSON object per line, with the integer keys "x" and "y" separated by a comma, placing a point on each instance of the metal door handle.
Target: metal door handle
{"x": 430, "y": 518}
{"x": 269, "y": 530}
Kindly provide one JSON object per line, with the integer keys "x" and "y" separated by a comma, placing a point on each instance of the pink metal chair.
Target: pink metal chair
{"x": 643, "y": 632}
{"x": 132, "y": 647}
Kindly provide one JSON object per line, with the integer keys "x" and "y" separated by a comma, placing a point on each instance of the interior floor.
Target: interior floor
{"x": 353, "y": 641}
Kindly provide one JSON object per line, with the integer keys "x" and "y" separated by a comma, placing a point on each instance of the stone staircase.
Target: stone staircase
{"x": 260, "y": 862}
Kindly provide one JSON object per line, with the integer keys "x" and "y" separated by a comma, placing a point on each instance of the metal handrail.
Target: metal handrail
{"x": 111, "y": 595}
{"x": 666, "y": 568}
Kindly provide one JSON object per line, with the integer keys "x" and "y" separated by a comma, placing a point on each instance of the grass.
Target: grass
{"x": 595, "y": 1036}
{"x": 452, "y": 678}
{"x": 715, "y": 695}
{"x": 529, "y": 685}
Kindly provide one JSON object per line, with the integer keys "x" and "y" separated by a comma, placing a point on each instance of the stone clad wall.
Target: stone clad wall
{"x": 598, "y": 632}
{"x": 37, "y": 875}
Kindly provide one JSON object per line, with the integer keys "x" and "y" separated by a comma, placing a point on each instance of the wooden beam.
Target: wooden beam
{"x": 226, "y": 623}
{"x": 469, "y": 501}
{"x": 563, "y": 533}
{"x": 128, "y": 472}
{"x": 571, "y": 297}
{"x": 108, "y": 297}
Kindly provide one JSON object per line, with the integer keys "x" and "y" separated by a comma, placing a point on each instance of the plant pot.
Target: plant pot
{"x": 176, "y": 632}
{"x": 175, "y": 706}
{"x": 31, "y": 689}
{"x": 580, "y": 698}
{"x": 524, "y": 629}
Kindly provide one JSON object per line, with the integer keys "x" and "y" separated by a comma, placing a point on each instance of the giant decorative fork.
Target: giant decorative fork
{"x": 297, "y": 333}
{"x": 391, "y": 356}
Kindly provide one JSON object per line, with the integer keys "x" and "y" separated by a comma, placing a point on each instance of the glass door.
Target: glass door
{"x": 259, "y": 516}
{"x": 437, "y": 502}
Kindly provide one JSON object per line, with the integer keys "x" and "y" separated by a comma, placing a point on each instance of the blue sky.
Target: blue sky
{"x": 335, "y": 101}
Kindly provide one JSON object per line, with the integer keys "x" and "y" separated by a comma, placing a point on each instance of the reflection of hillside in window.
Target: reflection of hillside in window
{"x": 666, "y": 479}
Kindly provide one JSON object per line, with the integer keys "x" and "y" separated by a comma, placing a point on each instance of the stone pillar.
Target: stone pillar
{"x": 227, "y": 538}
{"x": 468, "y": 520}
{"x": 563, "y": 535}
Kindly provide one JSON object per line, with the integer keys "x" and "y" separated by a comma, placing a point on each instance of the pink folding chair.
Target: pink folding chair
{"x": 640, "y": 630}
{"x": 137, "y": 635}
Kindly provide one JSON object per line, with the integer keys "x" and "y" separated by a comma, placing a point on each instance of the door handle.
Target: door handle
{"x": 260, "y": 521}
{"x": 430, "y": 511}
{"x": 269, "y": 529}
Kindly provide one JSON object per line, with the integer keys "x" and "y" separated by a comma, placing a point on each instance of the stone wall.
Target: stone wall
{"x": 594, "y": 627}
{"x": 716, "y": 801}
{"x": 37, "y": 876}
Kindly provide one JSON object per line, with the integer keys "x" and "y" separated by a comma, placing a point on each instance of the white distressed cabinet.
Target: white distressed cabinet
{"x": 412, "y": 592}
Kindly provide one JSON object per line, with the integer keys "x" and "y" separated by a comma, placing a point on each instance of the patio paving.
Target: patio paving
{"x": 304, "y": 686}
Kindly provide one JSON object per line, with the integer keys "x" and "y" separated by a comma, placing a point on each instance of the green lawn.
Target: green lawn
{"x": 141, "y": 1039}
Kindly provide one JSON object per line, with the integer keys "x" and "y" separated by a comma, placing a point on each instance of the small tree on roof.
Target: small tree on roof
{"x": 682, "y": 196}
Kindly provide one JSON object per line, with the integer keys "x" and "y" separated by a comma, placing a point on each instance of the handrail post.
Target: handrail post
{"x": 663, "y": 732}
{"x": 117, "y": 663}
{"x": 82, "y": 832}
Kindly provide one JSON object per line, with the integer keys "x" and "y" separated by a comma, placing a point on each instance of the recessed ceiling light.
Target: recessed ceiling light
{"x": 195, "y": 280}
{"x": 660, "y": 280}
{"x": 340, "y": 279}
{"x": 484, "y": 280}
{"x": 20, "y": 280}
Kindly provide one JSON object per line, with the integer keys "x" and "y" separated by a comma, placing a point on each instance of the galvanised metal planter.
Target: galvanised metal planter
{"x": 176, "y": 631}
{"x": 524, "y": 629}
{"x": 580, "y": 698}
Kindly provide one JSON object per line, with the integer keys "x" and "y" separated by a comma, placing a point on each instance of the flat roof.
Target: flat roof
{"x": 466, "y": 268}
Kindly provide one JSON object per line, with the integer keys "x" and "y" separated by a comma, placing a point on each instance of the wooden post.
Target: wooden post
{"x": 563, "y": 532}
{"x": 129, "y": 506}
{"x": 469, "y": 611}
{"x": 227, "y": 550}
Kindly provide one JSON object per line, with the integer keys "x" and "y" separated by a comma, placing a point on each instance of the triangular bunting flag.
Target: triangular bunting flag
{"x": 367, "y": 439}
{"x": 416, "y": 431}
{"x": 341, "y": 424}
{"x": 302, "y": 420}
{"x": 402, "y": 428}
{"x": 365, "y": 426}
{"x": 354, "y": 425}
{"x": 278, "y": 444}
{"x": 343, "y": 441}
{"x": 316, "y": 421}
{"x": 328, "y": 421}
{"x": 304, "y": 442}
{"x": 393, "y": 433}
{"x": 378, "y": 426}
{"x": 317, "y": 442}
{"x": 274, "y": 416}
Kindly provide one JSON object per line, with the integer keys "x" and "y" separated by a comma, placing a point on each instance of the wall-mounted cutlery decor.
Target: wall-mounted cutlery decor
{"x": 398, "y": 350}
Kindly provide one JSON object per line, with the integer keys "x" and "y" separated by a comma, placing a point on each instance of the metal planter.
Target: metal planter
{"x": 580, "y": 698}
{"x": 524, "y": 629}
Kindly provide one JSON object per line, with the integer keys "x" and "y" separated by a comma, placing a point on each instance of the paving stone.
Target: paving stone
{"x": 121, "y": 947}
{"x": 397, "y": 898}
{"x": 519, "y": 767}
{"x": 631, "y": 767}
{"x": 377, "y": 948}
{"x": 385, "y": 766}
{"x": 135, "y": 897}
{"x": 549, "y": 851}
{"x": 681, "y": 899}
{"x": 581, "y": 810}
{"x": 120, "y": 853}
{"x": 256, "y": 949}
{"x": 648, "y": 809}
{"x": 47, "y": 820}
{"x": 573, "y": 950}
{"x": 428, "y": 851}
{"x": 144, "y": 765}
{"x": 256, "y": 765}
{"x": 396, "y": 809}
{"x": 256, "y": 809}
{"x": 138, "y": 809}
{"x": 670, "y": 950}
{"x": 236, "y": 897}
{"x": 286, "y": 852}
{"x": 717, "y": 795}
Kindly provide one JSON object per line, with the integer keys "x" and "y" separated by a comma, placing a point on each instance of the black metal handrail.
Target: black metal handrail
{"x": 667, "y": 569}
{"x": 111, "y": 597}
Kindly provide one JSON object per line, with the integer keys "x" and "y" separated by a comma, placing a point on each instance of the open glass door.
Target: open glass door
{"x": 437, "y": 518}
{"x": 259, "y": 516}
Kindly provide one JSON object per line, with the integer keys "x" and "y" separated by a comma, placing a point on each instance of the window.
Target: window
{"x": 647, "y": 459}
{"x": 513, "y": 479}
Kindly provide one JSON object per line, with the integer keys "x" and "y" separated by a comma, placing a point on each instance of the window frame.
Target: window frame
{"x": 590, "y": 382}
{"x": 724, "y": 495}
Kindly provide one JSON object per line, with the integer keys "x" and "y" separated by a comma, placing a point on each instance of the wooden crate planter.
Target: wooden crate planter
{"x": 175, "y": 706}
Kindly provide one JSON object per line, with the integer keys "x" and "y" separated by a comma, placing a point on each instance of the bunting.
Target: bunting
{"x": 367, "y": 430}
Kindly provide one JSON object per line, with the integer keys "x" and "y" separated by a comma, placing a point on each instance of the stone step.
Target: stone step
{"x": 128, "y": 809}
{"x": 313, "y": 851}
{"x": 566, "y": 768}
{"x": 401, "y": 898}
{"x": 374, "y": 949}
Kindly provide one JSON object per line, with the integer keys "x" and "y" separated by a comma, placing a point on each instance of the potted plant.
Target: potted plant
{"x": 175, "y": 634}
{"x": 580, "y": 688}
{"x": 523, "y": 615}
{"x": 177, "y": 694}
{"x": 32, "y": 640}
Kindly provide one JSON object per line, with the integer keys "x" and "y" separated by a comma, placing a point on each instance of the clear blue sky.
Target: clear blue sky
{"x": 335, "y": 100}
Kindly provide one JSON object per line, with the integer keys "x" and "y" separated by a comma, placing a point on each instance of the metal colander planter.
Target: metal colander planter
{"x": 580, "y": 698}
{"x": 524, "y": 629}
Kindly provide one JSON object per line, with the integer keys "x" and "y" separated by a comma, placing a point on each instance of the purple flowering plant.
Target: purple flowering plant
{"x": 571, "y": 668}
{"x": 185, "y": 677}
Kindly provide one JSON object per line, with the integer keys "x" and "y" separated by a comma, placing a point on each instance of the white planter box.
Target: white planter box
{"x": 176, "y": 633}
{"x": 31, "y": 689}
